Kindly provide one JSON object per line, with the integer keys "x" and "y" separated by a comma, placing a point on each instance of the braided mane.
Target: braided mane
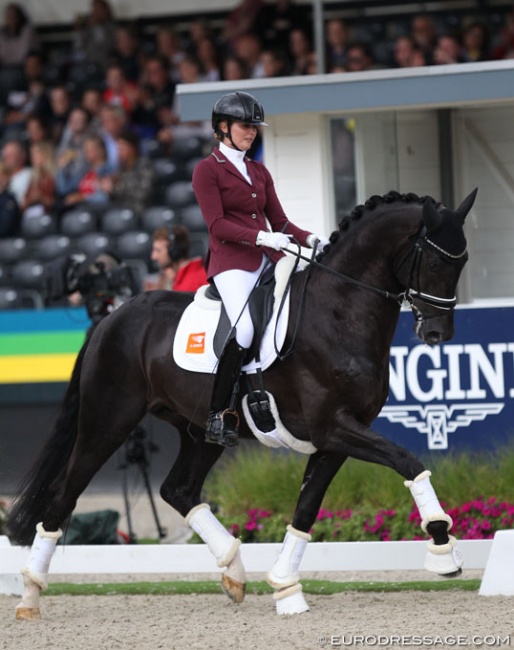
{"x": 372, "y": 203}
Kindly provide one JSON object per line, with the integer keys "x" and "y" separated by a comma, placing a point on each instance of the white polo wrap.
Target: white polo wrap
{"x": 426, "y": 500}
{"x": 285, "y": 570}
{"x": 41, "y": 553}
{"x": 220, "y": 542}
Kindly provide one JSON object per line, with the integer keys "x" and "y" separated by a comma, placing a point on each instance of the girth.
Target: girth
{"x": 261, "y": 309}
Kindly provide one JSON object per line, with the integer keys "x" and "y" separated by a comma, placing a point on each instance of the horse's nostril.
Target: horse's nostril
{"x": 433, "y": 337}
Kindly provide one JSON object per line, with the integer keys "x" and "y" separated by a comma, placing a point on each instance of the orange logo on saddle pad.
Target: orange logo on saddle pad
{"x": 196, "y": 343}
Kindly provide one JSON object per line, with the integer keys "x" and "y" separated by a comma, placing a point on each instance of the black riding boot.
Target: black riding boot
{"x": 223, "y": 419}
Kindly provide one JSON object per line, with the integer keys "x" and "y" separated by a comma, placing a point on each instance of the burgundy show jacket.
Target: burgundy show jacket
{"x": 235, "y": 211}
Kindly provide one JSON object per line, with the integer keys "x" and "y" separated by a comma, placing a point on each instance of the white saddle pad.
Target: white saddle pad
{"x": 193, "y": 344}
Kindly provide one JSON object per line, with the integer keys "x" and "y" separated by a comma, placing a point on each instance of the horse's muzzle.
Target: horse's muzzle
{"x": 435, "y": 330}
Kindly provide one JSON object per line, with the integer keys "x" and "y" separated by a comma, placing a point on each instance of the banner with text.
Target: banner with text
{"x": 454, "y": 396}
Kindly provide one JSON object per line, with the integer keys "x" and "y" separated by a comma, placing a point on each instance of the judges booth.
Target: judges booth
{"x": 334, "y": 140}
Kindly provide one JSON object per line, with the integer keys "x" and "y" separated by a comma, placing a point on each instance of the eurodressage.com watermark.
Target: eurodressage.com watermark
{"x": 413, "y": 640}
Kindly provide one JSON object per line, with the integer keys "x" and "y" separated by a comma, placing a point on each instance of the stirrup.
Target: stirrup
{"x": 223, "y": 432}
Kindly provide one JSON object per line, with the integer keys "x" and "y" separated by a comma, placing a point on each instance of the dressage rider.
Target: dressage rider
{"x": 247, "y": 229}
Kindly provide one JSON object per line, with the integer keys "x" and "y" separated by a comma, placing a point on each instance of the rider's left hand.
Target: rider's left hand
{"x": 319, "y": 242}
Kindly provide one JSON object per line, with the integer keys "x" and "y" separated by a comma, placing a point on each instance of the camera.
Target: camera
{"x": 104, "y": 282}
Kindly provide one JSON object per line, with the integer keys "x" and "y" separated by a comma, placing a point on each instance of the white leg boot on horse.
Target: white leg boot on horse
{"x": 35, "y": 574}
{"x": 442, "y": 558}
{"x": 284, "y": 577}
{"x": 224, "y": 547}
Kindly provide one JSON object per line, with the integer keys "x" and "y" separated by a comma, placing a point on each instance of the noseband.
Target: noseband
{"x": 410, "y": 294}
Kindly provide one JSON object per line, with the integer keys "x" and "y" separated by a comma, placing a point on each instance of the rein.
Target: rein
{"x": 409, "y": 294}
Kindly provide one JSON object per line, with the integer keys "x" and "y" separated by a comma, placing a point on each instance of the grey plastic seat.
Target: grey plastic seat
{"x": 77, "y": 222}
{"x": 191, "y": 216}
{"x": 118, "y": 220}
{"x": 12, "y": 249}
{"x": 35, "y": 227}
{"x": 51, "y": 247}
{"x": 136, "y": 244}
{"x": 93, "y": 243}
{"x": 158, "y": 216}
{"x": 179, "y": 194}
{"x": 28, "y": 274}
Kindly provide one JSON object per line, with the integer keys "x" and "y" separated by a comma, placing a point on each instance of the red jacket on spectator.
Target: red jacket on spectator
{"x": 191, "y": 276}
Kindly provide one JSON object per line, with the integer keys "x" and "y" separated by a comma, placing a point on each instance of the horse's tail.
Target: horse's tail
{"x": 39, "y": 484}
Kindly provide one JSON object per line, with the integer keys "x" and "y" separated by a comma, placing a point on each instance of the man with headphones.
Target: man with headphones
{"x": 170, "y": 253}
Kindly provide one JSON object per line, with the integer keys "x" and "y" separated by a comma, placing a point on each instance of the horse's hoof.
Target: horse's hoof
{"x": 453, "y": 574}
{"x": 28, "y": 614}
{"x": 233, "y": 589}
{"x": 290, "y": 601}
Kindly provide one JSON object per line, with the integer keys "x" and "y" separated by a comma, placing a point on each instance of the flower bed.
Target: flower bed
{"x": 478, "y": 519}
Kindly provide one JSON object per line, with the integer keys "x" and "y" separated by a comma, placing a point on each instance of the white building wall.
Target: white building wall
{"x": 485, "y": 159}
{"x": 296, "y": 154}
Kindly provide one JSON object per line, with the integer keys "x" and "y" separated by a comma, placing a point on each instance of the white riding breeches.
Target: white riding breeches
{"x": 234, "y": 287}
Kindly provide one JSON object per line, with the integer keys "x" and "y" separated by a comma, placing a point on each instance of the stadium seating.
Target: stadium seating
{"x": 36, "y": 226}
{"x": 191, "y": 217}
{"x": 158, "y": 216}
{"x": 12, "y": 249}
{"x": 51, "y": 246}
{"x": 135, "y": 244}
{"x": 78, "y": 221}
{"x": 179, "y": 194}
{"x": 28, "y": 274}
{"x": 116, "y": 220}
{"x": 93, "y": 243}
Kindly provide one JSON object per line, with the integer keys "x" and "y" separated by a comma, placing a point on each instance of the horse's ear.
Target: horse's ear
{"x": 467, "y": 204}
{"x": 431, "y": 217}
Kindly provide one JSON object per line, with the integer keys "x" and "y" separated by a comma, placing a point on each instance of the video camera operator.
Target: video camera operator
{"x": 101, "y": 284}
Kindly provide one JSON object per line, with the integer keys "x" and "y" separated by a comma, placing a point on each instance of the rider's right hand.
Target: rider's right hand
{"x": 276, "y": 240}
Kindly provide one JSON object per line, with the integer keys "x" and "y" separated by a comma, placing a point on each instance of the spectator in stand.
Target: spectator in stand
{"x": 89, "y": 188}
{"x": 127, "y": 52}
{"x": 170, "y": 253}
{"x": 241, "y": 20}
{"x": 336, "y": 44}
{"x": 447, "y": 50}
{"x": 71, "y": 161}
{"x": 119, "y": 91}
{"x": 198, "y": 30}
{"x": 95, "y": 34}
{"x": 234, "y": 69}
{"x": 406, "y": 54}
{"x": 38, "y": 129}
{"x": 359, "y": 58}
{"x": 40, "y": 197}
{"x": 9, "y": 210}
{"x": 113, "y": 120}
{"x": 300, "y": 48}
{"x": 277, "y": 19}
{"x": 91, "y": 102}
{"x": 169, "y": 46}
{"x": 274, "y": 63}
{"x": 60, "y": 104}
{"x": 14, "y": 156}
{"x": 17, "y": 36}
{"x": 28, "y": 97}
{"x": 504, "y": 48}
{"x": 208, "y": 56}
{"x": 249, "y": 48}
{"x": 177, "y": 129}
{"x": 132, "y": 185}
{"x": 425, "y": 35}
{"x": 156, "y": 94}
{"x": 475, "y": 43}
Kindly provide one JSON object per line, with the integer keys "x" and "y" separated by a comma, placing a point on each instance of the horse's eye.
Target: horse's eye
{"x": 434, "y": 264}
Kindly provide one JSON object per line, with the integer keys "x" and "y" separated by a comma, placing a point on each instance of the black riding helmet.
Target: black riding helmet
{"x": 237, "y": 107}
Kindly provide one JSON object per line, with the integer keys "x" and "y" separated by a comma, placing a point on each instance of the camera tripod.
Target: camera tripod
{"x": 135, "y": 454}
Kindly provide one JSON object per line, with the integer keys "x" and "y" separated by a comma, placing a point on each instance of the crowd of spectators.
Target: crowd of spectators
{"x": 79, "y": 125}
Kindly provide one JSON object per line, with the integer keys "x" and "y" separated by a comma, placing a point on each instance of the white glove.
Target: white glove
{"x": 319, "y": 242}
{"x": 276, "y": 240}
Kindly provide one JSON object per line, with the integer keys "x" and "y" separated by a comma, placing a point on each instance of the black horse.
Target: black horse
{"x": 328, "y": 391}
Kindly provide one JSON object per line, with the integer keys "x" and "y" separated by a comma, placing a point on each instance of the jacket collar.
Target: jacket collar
{"x": 220, "y": 157}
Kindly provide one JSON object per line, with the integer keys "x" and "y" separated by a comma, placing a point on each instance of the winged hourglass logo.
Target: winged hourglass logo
{"x": 438, "y": 420}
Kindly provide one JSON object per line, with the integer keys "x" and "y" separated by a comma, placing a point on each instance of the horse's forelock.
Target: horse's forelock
{"x": 450, "y": 234}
